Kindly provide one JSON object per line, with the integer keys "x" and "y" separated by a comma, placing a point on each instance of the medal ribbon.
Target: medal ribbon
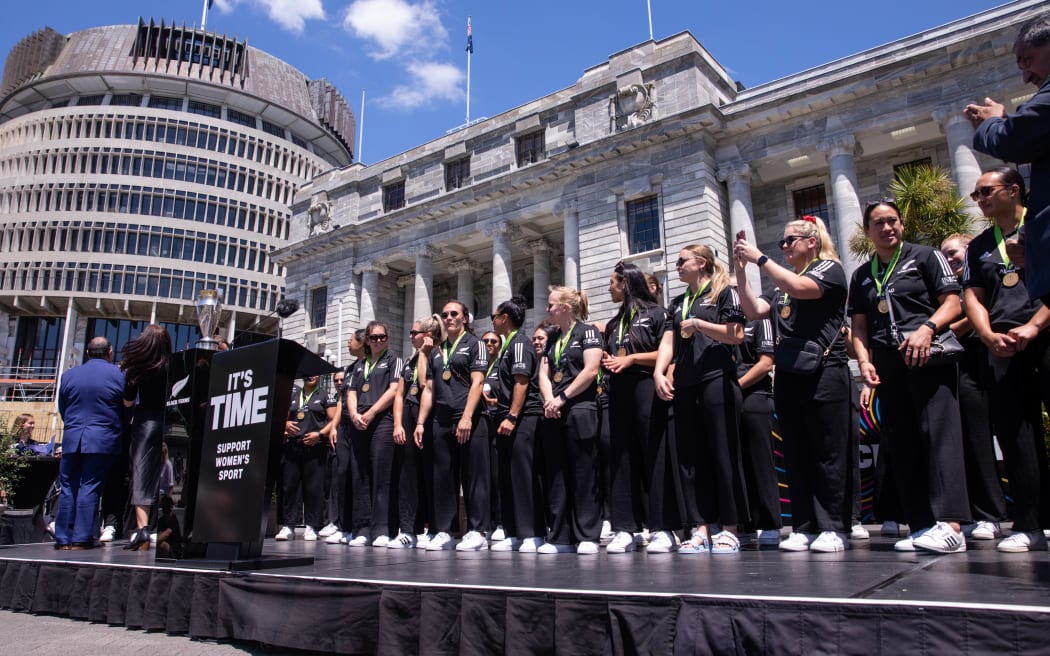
{"x": 503, "y": 348}
{"x": 447, "y": 352}
{"x": 303, "y": 402}
{"x": 369, "y": 370}
{"x": 623, "y": 328}
{"x": 687, "y": 304}
{"x": 559, "y": 346}
{"x": 787, "y": 299}
{"x": 881, "y": 282}
{"x": 1000, "y": 243}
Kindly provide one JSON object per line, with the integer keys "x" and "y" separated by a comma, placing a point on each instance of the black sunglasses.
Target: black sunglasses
{"x": 984, "y": 192}
{"x": 885, "y": 200}
{"x": 682, "y": 260}
{"x": 450, "y": 313}
{"x": 413, "y": 333}
{"x": 377, "y": 338}
{"x": 790, "y": 240}
{"x": 491, "y": 341}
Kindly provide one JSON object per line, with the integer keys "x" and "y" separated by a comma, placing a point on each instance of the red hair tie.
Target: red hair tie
{"x": 811, "y": 219}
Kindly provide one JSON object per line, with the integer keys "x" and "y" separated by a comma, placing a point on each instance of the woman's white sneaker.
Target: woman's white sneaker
{"x": 795, "y": 542}
{"x": 622, "y": 542}
{"x": 1023, "y": 542}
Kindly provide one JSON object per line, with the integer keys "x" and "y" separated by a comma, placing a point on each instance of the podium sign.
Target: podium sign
{"x": 240, "y": 421}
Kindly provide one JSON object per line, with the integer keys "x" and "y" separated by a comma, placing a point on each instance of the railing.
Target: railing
{"x": 18, "y": 383}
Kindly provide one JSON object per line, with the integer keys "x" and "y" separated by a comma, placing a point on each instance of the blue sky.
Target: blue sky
{"x": 408, "y": 55}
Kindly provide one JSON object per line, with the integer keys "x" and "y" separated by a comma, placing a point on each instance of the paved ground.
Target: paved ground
{"x": 42, "y": 635}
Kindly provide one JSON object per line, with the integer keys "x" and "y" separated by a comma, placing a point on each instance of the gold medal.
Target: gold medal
{"x": 598, "y": 390}
{"x": 621, "y": 352}
{"x": 446, "y": 375}
{"x": 558, "y": 376}
{"x": 301, "y": 415}
{"x": 365, "y": 387}
{"x": 414, "y": 390}
{"x": 884, "y": 306}
{"x": 785, "y": 312}
{"x": 1011, "y": 279}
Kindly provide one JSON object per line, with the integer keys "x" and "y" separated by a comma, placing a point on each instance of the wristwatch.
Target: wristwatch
{"x": 931, "y": 325}
{"x": 762, "y": 260}
{"x": 512, "y": 419}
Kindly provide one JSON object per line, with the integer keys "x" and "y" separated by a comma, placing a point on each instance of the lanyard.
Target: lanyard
{"x": 304, "y": 401}
{"x": 1000, "y": 242}
{"x": 787, "y": 299}
{"x": 880, "y": 283}
{"x": 559, "y": 346}
{"x": 503, "y": 348}
{"x": 623, "y": 328}
{"x": 369, "y": 370}
{"x": 415, "y": 370}
{"x": 448, "y": 352}
{"x": 687, "y": 305}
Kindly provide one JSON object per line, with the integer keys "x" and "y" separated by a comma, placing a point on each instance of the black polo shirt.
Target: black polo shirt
{"x": 314, "y": 410}
{"x": 469, "y": 356}
{"x": 519, "y": 359}
{"x": 646, "y": 329}
{"x": 816, "y": 319}
{"x": 387, "y": 372}
{"x": 758, "y": 341}
{"x": 1008, "y": 307}
{"x": 700, "y": 357}
{"x": 583, "y": 337}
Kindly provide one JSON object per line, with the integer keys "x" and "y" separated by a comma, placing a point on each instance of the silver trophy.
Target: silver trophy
{"x": 209, "y": 311}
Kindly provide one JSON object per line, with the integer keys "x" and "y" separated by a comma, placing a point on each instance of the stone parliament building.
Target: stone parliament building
{"x": 652, "y": 150}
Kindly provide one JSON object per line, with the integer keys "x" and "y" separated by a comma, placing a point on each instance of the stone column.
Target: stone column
{"x": 737, "y": 176}
{"x": 370, "y": 272}
{"x": 502, "y": 234}
{"x": 424, "y": 280}
{"x": 464, "y": 270}
{"x": 541, "y": 276}
{"x": 965, "y": 167}
{"x": 571, "y": 234}
{"x": 407, "y": 282}
{"x": 848, "y": 214}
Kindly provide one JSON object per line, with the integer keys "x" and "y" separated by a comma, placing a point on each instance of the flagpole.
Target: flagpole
{"x": 649, "y": 5}
{"x": 470, "y": 51}
{"x": 204, "y": 14}
{"x": 361, "y": 127}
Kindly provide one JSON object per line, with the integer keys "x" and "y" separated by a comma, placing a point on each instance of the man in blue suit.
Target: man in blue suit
{"x": 91, "y": 402}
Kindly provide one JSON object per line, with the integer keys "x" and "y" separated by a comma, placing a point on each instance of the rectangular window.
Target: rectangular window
{"x": 126, "y": 99}
{"x": 643, "y": 225}
{"x": 272, "y": 128}
{"x": 529, "y": 148}
{"x": 240, "y": 118}
{"x": 811, "y": 201}
{"x": 204, "y": 109}
{"x": 457, "y": 174}
{"x": 394, "y": 196}
{"x": 164, "y": 102}
{"x": 318, "y": 306}
{"x": 915, "y": 163}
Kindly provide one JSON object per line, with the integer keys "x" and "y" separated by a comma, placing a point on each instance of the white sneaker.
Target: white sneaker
{"x": 506, "y": 544}
{"x": 402, "y": 541}
{"x": 335, "y": 538}
{"x": 661, "y": 542}
{"x": 108, "y": 533}
{"x": 309, "y": 535}
{"x": 382, "y": 542}
{"x": 441, "y": 542}
{"x": 356, "y": 540}
{"x": 153, "y": 539}
{"x": 607, "y": 532}
{"x": 551, "y": 548}
{"x": 983, "y": 530}
{"x": 587, "y": 548}
{"x": 530, "y": 545}
{"x": 942, "y": 538}
{"x": 327, "y": 530}
{"x": 622, "y": 542}
{"x": 891, "y": 529}
{"x": 769, "y": 537}
{"x": 472, "y": 541}
{"x": 286, "y": 533}
{"x": 827, "y": 542}
{"x": 642, "y": 539}
{"x": 795, "y": 542}
{"x": 1022, "y": 542}
{"x": 858, "y": 532}
{"x": 498, "y": 534}
{"x": 422, "y": 540}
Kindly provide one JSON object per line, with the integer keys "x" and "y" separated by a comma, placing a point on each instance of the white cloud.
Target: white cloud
{"x": 289, "y": 14}
{"x": 429, "y": 82}
{"x": 396, "y": 27}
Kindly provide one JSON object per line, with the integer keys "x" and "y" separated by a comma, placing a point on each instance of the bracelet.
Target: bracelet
{"x": 762, "y": 260}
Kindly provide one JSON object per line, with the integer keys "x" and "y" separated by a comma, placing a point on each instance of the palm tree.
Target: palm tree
{"x": 930, "y": 205}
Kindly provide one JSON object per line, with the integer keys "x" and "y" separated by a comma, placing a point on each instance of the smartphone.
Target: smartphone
{"x": 741, "y": 236}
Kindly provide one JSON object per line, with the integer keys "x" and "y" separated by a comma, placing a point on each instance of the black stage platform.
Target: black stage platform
{"x": 867, "y": 600}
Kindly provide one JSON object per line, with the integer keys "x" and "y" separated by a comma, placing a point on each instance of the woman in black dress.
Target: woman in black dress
{"x": 922, "y": 431}
{"x": 145, "y": 364}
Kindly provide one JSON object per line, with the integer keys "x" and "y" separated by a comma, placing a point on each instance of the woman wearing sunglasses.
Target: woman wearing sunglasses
{"x": 899, "y": 300}
{"x": 460, "y": 445}
{"x": 641, "y": 489}
{"x": 370, "y": 401}
{"x": 1014, "y": 330}
{"x": 807, "y": 309}
{"x": 706, "y": 400}
{"x": 407, "y": 452}
{"x": 489, "y": 406}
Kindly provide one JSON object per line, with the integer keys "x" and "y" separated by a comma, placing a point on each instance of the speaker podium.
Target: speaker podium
{"x": 249, "y": 391}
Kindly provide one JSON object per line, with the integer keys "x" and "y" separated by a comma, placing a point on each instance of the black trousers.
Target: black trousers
{"x": 571, "y": 479}
{"x": 340, "y": 468}
{"x": 922, "y": 437}
{"x": 604, "y": 458}
{"x": 1020, "y": 388}
{"x": 815, "y": 423}
{"x": 987, "y": 501}
{"x": 520, "y": 494}
{"x": 406, "y": 467}
{"x": 454, "y": 464}
{"x": 371, "y": 477}
{"x": 641, "y": 489}
{"x": 756, "y": 450}
{"x": 495, "y": 499}
{"x": 710, "y": 481}
{"x": 302, "y": 467}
